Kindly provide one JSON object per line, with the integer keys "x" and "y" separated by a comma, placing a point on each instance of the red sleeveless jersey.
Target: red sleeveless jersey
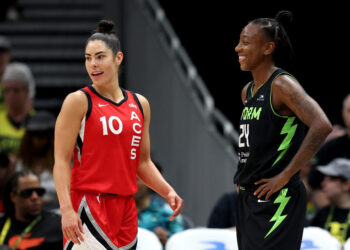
{"x": 108, "y": 145}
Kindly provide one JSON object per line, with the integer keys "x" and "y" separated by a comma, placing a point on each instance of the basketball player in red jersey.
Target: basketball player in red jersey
{"x": 106, "y": 128}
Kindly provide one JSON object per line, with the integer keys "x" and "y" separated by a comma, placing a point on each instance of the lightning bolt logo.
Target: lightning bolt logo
{"x": 290, "y": 131}
{"x": 277, "y": 217}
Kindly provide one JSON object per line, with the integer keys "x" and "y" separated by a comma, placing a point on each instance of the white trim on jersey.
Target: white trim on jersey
{"x": 81, "y": 136}
{"x": 90, "y": 238}
{"x": 82, "y": 129}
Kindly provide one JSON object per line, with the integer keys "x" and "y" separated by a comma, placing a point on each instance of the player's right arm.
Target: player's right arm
{"x": 67, "y": 128}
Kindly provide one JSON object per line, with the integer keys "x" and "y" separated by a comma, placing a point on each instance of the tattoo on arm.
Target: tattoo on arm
{"x": 309, "y": 112}
{"x": 298, "y": 103}
{"x": 315, "y": 142}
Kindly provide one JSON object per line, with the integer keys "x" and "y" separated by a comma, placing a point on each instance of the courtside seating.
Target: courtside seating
{"x": 203, "y": 238}
{"x": 318, "y": 238}
{"x": 147, "y": 240}
{"x": 347, "y": 245}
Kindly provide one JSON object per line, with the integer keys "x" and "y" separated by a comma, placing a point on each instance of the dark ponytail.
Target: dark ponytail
{"x": 284, "y": 52}
{"x": 274, "y": 30}
{"x": 105, "y": 26}
{"x": 105, "y": 33}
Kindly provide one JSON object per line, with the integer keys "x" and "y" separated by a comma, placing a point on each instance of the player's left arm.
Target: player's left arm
{"x": 148, "y": 172}
{"x": 289, "y": 98}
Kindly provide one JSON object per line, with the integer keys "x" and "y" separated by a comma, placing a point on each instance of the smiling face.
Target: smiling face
{"x": 101, "y": 65}
{"x": 253, "y": 47}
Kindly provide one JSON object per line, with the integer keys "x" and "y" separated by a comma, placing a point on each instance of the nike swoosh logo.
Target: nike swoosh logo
{"x": 262, "y": 201}
{"x": 102, "y": 105}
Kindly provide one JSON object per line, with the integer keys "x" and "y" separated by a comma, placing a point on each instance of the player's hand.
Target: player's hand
{"x": 271, "y": 185}
{"x": 72, "y": 227}
{"x": 176, "y": 204}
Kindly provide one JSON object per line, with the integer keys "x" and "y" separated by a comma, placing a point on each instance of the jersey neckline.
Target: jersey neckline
{"x": 109, "y": 100}
{"x": 253, "y": 83}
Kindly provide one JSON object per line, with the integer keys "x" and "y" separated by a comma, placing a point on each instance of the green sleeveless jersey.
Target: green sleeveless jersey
{"x": 267, "y": 141}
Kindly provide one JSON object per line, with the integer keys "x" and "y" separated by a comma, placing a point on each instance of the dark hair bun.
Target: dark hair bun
{"x": 284, "y": 17}
{"x": 105, "y": 26}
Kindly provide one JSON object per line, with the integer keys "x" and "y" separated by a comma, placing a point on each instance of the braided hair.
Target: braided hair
{"x": 274, "y": 30}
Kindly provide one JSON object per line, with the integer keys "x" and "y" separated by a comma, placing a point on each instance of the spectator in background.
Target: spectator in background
{"x": 5, "y": 172}
{"x": 153, "y": 212}
{"x": 25, "y": 225}
{"x": 337, "y": 131}
{"x": 36, "y": 153}
{"x": 5, "y": 58}
{"x": 339, "y": 147}
{"x": 223, "y": 214}
{"x": 315, "y": 198}
{"x": 9, "y": 10}
{"x": 336, "y": 185}
{"x": 19, "y": 91}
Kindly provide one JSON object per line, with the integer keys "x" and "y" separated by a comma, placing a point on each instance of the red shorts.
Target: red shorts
{"x": 111, "y": 220}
